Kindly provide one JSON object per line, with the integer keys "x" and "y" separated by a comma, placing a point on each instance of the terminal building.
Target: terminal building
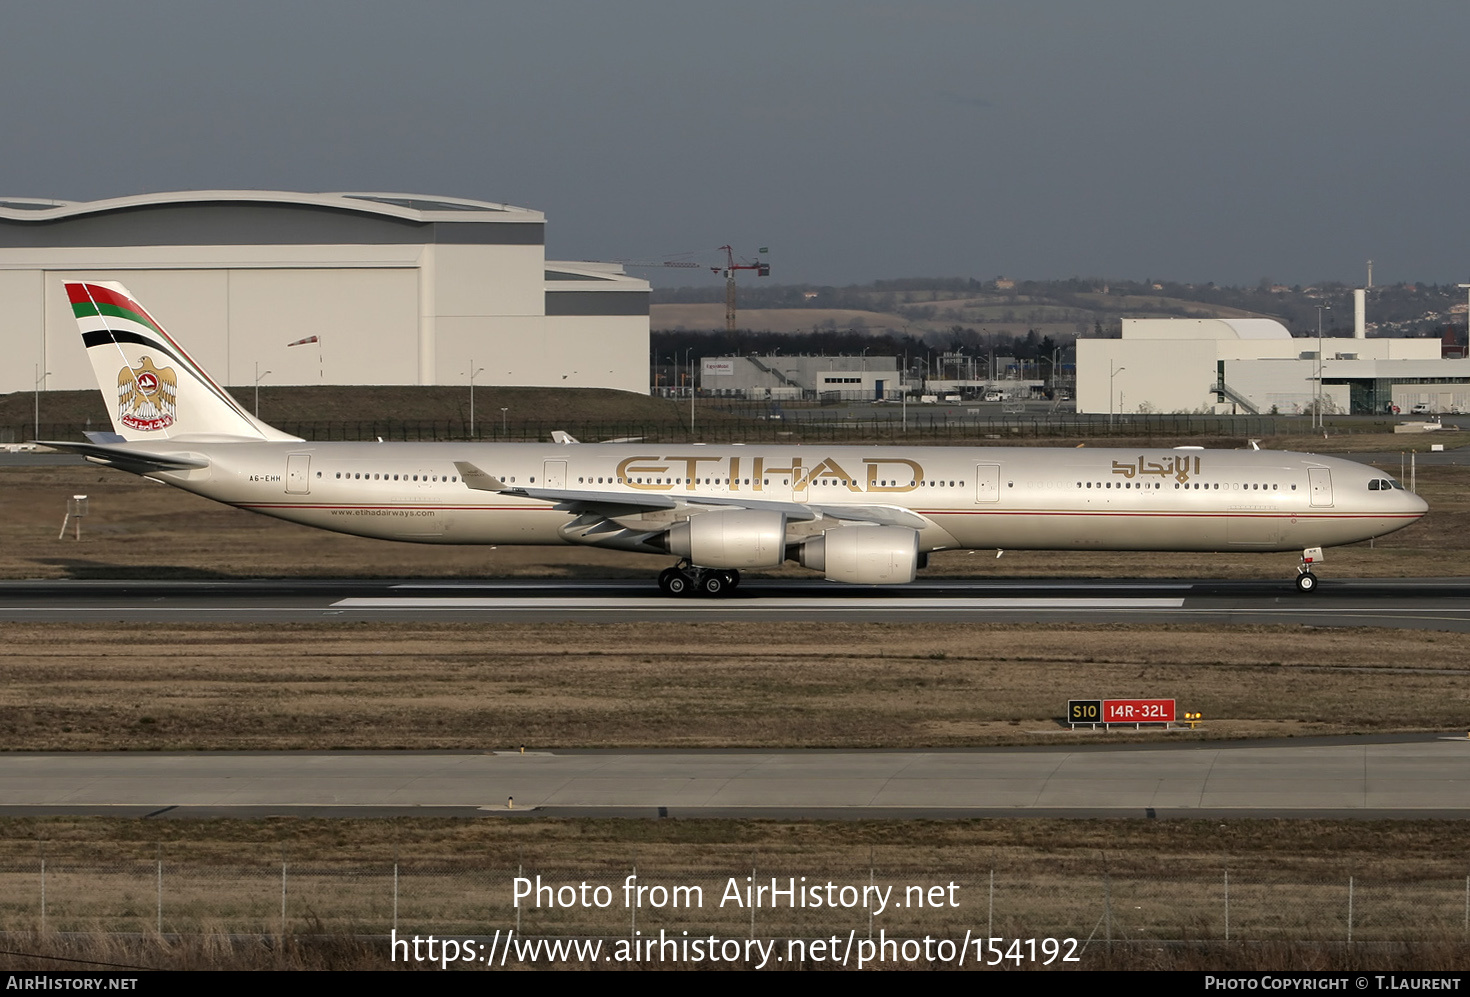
{"x": 1255, "y": 366}
{"x": 396, "y": 288}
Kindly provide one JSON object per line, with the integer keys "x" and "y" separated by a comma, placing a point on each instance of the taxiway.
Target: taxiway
{"x": 1390, "y": 776}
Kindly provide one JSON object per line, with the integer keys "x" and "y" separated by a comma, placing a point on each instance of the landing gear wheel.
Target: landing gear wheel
{"x": 714, "y": 584}
{"x": 672, "y": 581}
{"x": 1306, "y": 583}
{"x": 732, "y": 579}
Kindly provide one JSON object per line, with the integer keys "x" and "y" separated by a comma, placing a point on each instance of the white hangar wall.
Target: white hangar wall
{"x": 1174, "y": 365}
{"x": 414, "y": 301}
{"x": 1165, "y": 375}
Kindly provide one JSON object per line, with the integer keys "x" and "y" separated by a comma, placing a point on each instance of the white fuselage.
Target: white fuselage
{"x": 1011, "y": 498}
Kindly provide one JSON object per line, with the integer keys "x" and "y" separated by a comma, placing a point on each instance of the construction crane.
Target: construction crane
{"x": 761, "y": 270}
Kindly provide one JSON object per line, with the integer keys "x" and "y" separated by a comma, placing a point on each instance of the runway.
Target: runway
{"x": 1433, "y": 603}
{"x": 1400, "y": 776}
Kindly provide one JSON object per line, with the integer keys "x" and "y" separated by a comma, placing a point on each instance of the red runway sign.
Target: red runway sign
{"x": 1135, "y": 711}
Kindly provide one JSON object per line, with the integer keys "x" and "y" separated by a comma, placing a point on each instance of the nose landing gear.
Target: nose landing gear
{"x": 1306, "y": 580}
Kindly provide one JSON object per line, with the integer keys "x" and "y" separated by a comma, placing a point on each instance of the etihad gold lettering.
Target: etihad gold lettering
{"x": 829, "y": 468}
{"x": 797, "y": 481}
{"x": 630, "y": 470}
{"x": 691, "y": 469}
{"x": 884, "y": 474}
{"x": 880, "y": 480}
{"x": 1176, "y": 466}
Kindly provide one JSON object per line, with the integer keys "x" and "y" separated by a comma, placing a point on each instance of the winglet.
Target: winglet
{"x": 563, "y": 438}
{"x": 477, "y": 479}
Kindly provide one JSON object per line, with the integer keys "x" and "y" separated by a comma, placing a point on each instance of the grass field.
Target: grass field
{"x": 245, "y": 687}
{"x": 1134, "y": 894}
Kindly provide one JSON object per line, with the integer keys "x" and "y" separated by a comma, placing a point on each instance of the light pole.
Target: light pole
{"x": 1115, "y": 372}
{"x": 473, "y": 371}
{"x": 258, "y": 376}
{"x": 1320, "y": 310}
{"x": 39, "y": 378}
{"x": 503, "y": 431}
{"x": 689, "y": 362}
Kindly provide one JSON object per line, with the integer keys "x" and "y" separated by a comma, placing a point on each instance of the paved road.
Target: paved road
{"x": 1433, "y": 603}
{"x": 1401, "y": 776}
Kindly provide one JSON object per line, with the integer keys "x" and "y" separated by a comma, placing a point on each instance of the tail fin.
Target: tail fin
{"x": 153, "y": 389}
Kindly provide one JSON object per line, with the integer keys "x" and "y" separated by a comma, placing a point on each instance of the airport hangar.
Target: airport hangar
{"x": 397, "y": 288}
{"x": 1254, "y": 366}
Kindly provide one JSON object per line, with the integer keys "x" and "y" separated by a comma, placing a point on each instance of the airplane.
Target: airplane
{"x": 864, "y": 515}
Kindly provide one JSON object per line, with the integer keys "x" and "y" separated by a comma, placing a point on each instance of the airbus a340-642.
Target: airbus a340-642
{"x": 867, "y": 515}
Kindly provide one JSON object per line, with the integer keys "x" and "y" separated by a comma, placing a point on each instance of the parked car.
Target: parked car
{"x": 1422, "y": 408}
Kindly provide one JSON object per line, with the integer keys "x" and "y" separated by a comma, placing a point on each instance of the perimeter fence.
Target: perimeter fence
{"x": 1093, "y": 900}
{"x": 815, "y": 427}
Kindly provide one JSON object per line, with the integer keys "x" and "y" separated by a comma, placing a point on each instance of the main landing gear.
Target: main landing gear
{"x": 1306, "y": 581}
{"x": 686, "y": 579}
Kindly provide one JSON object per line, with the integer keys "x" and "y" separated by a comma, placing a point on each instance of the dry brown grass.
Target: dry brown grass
{"x": 308, "y": 686}
{"x": 1155, "y": 887}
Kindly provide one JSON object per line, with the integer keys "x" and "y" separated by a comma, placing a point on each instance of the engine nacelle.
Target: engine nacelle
{"x": 736, "y": 539}
{"x": 864, "y": 555}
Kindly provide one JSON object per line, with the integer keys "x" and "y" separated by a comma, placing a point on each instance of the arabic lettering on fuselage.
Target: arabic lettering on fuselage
{"x": 1174, "y": 466}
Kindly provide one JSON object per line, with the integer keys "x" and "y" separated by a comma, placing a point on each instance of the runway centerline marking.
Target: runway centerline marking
{"x": 764, "y": 605}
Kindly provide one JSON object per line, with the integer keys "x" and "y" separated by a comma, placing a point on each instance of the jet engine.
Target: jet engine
{"x": 736, "y": 539}
{"x": 864, "y": 555}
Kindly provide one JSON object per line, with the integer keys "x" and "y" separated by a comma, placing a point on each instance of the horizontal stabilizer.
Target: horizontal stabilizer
{"x": 125, "y": 459}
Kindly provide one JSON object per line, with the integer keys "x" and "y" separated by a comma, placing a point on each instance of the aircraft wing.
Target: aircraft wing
{"x": 622, "y": 503}
{"x": 127, "y": 459}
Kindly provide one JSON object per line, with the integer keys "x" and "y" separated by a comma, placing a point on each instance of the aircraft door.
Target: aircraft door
{"x": 298, "y": 474}
{"x": 1321, "y": 482}
{"x": 556, "y": 473}
{"x": 987, "y": 482}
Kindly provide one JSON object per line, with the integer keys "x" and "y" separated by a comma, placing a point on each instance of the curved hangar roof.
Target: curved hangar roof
{"x": 265, "y": 217}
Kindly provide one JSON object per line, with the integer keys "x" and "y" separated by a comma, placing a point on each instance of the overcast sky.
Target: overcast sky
{"x": 858, "y": 140}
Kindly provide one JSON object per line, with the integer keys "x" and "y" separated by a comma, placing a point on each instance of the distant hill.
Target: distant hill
{"x": 938, "y": 308}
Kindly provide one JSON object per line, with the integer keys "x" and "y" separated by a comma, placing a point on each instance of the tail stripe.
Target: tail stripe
{"x": 87, "y": 309}
{"x": 105, "y": 337}
{"x": 89, "y": 300}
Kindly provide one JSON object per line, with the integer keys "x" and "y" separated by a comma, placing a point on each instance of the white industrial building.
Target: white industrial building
{"x": 397, "y": 288}
{"x": 789, "y": 377}
{"x": 1254, "y": 366}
